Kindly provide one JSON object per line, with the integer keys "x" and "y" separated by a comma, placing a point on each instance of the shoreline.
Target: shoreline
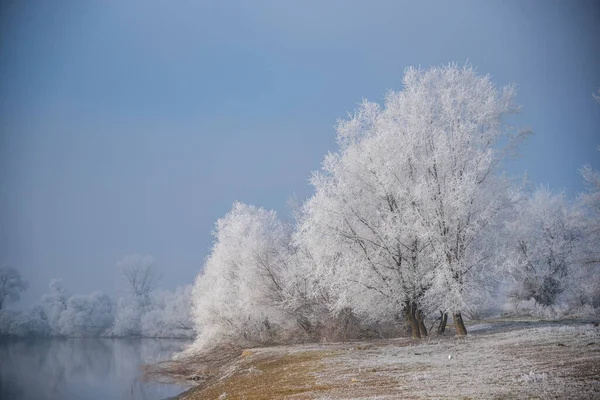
{"x": 502, "y": 358}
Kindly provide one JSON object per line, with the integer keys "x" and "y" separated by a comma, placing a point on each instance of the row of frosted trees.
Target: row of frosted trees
{"x": 140, "y": 310}
{"x": 411, "y": 220}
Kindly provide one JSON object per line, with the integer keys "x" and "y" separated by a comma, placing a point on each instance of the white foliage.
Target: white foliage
{"x": 238, "y": 291}
{"x": 544, "y": 237}
{"x": 139, "y": 277}
{"x": 86, "y": 315}
{"x": 54, "y": 303}
{"x": 304, "y": 298}
{"x": 32, "y": 322}
{"x": 165, "y": 314}
{"x": 589, "y": 203}
{"x": 62, "y": 314}
{"x": 138, "y": 280}
{"x": 11, "y": 286}
{"x": 128, "y": 318}
{"x": 400, "y": 212}
{"x": 170, "y": 315}
{"x": 11, "y": 323}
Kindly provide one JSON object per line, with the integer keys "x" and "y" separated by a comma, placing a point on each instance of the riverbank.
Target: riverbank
{"x": 499, "y": 359}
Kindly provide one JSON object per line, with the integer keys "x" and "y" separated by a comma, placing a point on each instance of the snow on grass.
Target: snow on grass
{"x": 532, "y": 362}
{"x": 501, "y": 360}
{"x": 480, "y": 327}
{"x": 533, "y": 377}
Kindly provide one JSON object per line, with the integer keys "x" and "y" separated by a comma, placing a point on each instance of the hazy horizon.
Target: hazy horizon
{"x": 132, "y": 128}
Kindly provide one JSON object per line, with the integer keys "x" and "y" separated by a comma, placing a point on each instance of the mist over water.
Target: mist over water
{"x": 78, "y": 368}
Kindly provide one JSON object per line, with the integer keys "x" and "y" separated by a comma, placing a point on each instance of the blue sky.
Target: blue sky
{"x": 130, "y": 127}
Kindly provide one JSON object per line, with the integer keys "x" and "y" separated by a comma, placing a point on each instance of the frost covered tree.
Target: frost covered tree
{"x": 400, "y": 211}
{"x": 589, "y": 209}
{"x": 589, "y": 202}
{"x": 304, "y": 299}
{"x": 139, "y": 277}
{"x": 60, "y": 313}
{"x": 459, "y": 136}
{"x": 545, "y": 238}
{"x": 86, "y": 315}
{"x": 238, "y": 292}
{"x": 32, "y": 322}
{"x": 365, "y": 253}
{"x": 72, "y": 315}
{"x": 170, "y": 315}
{"x": 11, "y": 286}
{"x": 54, "y": 303}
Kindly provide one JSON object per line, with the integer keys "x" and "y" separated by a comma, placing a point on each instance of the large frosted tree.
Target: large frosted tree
{"x": 366, "y": 253}
{"x": 400, "y": 212}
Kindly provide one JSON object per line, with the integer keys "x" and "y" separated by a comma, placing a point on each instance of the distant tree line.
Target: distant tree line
{"x": 140, "y": 309}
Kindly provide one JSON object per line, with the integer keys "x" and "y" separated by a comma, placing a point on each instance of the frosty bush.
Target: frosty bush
{"x": 170, "y": 315}
{"x": 59, "y": 313}
{"x": 238, "y": 295}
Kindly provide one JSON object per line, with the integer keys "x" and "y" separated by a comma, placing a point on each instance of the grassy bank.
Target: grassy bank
{"x": 499, "y": 359}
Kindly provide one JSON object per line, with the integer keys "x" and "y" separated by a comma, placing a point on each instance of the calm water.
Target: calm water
{"x": 83, "y": 368}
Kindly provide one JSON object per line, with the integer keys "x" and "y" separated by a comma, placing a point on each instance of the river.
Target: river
{"x": 83, "y": 368}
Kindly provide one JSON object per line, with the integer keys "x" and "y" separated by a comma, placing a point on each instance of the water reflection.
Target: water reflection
{"x": 82, "y": 368}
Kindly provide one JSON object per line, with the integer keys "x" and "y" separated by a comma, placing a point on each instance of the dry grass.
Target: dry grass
{"x": 201, "y": 369}
{"x": 496, "y": 361}
{"x": 265, "y": 377}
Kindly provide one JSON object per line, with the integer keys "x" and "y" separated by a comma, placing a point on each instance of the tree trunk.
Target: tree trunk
{"x": 420, "y": 321}
{"x": 459, "y": 324}
{"x": 443, "y": 321}
{"x": 410, "y": 317}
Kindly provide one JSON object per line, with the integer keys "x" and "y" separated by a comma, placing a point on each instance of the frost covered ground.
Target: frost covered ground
{"x": 499, "y": 359}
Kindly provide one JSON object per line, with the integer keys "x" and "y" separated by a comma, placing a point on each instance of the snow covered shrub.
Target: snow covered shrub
{"x": 34, "y": 322}
{"x": 87, "y": 315}
{"x": 531, "y": 308}
{"x": 170, "y": 315}
{"x": 238, "y": 296}
{"x": 545, "y": 239}
{"x": 54, "y": 303}
{"x": 10, "y": 322}
{"x": 138, "y": 280}
{"x": 585, "y": 311}
{"x": 128, "y": 318}
{"x": 588, "y": 274}
{"x": 11, "y": 286}
{"x": 586, "y": 292}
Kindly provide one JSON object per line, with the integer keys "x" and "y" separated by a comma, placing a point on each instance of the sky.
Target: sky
{"x": 132, "y": 126}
